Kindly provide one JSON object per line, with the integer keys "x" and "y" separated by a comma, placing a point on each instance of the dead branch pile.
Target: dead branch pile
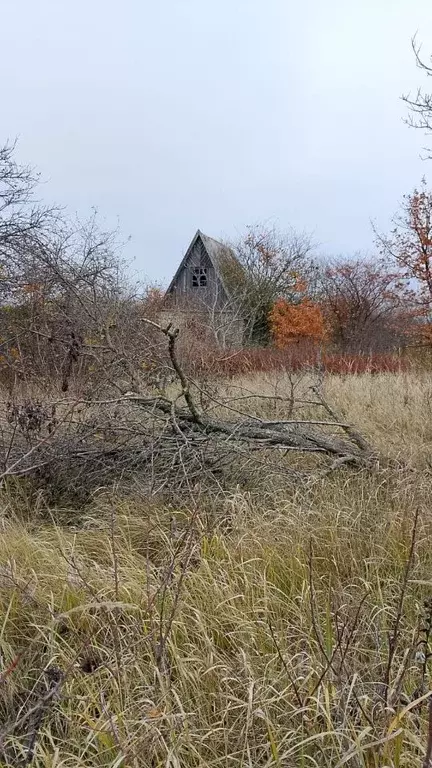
{"x": 176, "y": 437}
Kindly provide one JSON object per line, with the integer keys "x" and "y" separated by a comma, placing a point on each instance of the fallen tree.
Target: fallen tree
{"x": 182, "y": 436}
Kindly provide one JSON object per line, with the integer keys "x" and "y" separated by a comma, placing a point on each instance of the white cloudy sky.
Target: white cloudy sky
{"x": 173, "y": 115}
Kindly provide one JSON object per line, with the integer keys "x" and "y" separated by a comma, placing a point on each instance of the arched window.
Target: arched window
{"x": 199, "y": 277}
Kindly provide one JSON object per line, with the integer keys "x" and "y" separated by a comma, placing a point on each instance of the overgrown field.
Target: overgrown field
{"x": 254, "y": 628}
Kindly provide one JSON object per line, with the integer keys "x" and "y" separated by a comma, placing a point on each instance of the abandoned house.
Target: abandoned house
{"x": 200, "y": 290}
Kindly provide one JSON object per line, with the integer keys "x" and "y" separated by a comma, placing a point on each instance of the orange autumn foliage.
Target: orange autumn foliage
{"x": 410, "y": 242}
{"x": 296, "y": 322}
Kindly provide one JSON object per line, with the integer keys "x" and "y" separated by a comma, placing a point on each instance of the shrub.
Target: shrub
{"x": 200, "y": 361}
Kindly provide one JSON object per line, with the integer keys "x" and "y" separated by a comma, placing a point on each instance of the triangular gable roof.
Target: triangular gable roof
{"x": 216, "y": 251}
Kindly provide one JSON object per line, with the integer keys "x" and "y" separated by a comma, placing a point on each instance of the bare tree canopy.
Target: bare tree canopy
{"x": 270, "y": 265}
{"x": 367, "y": 306}
{"x": 409, "y": 244}
{"x": 23, "y": 220}
{"x": 420, "y": 103}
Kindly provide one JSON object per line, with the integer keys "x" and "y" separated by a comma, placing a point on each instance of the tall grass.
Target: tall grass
{"x": 253, "y": 630}
{"x": 202, "y": 359}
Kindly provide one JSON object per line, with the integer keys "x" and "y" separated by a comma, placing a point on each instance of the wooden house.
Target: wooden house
{"x": 202, "y": 289}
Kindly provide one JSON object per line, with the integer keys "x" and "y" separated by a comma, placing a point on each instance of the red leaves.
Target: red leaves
{"x": 10, "y": 668}
{"x": 294, "y": 357}
{"x": 410, "y": 242}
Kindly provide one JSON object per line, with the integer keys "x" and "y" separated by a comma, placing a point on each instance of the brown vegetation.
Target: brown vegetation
{"x": 209, "y": 556}
{"x": 250, "y": 626}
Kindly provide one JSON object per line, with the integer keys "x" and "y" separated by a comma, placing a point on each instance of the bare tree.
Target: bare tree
{"x": 270, "y": 265}
{"x": 409, "y": 244}
{"x": 216, "y": 320}
{"x": 420, "y": 103}
{"x": 59, "y": 285}
{"x": 367, "y": 307}
{"x": 23, "y": 221}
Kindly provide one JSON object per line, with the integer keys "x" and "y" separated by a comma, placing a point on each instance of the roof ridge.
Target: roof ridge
{"x": 212, "y": 246}
{"x": 219, "y": 242}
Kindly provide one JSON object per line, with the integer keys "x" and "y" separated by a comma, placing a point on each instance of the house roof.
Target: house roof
{"x": 217, "y": 253}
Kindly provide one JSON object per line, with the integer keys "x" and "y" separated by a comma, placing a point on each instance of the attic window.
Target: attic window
{"x": 199, "y": 277}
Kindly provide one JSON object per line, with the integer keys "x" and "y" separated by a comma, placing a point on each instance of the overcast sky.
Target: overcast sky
{"x": 174, "y": 115}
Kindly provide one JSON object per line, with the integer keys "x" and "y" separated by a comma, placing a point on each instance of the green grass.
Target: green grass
{"x": 249, "y": 603}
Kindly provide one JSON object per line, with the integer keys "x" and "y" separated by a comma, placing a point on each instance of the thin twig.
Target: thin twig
{"x": 393, "y": 639}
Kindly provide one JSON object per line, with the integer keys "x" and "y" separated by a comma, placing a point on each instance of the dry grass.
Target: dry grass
{"x": 393, "y": 410}
{"x": 249, "y": 632}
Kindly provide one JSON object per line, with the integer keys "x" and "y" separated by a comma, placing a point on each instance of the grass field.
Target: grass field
{"x": 262, "y": 628}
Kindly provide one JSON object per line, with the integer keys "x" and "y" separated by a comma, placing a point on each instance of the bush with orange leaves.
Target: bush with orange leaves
{"x": 297, "y": 322}
{"x": 409, "y": 246}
